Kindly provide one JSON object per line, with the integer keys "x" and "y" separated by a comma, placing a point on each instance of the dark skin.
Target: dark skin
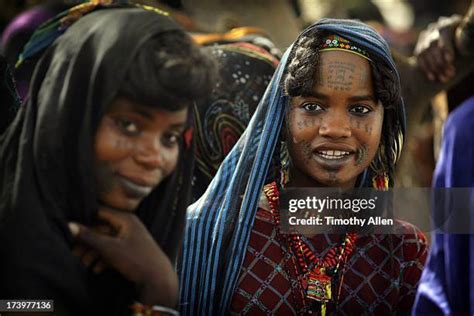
{"x": 436, "y": 46}
{"x": 333, "y": 134}
{"x": 136, "y": 147}
{"x": 132, "y": 251}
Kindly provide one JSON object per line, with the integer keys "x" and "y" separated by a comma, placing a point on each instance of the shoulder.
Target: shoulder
{"x": 462, "y": 117}
{"x": 412, "y": 242}
{"x": 264, "y": 210}
{"x": 454, "y": 167}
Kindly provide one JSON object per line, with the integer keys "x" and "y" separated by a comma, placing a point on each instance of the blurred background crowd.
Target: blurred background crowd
{"x": 432, "y": 43}
{"x": 279, "y": 22}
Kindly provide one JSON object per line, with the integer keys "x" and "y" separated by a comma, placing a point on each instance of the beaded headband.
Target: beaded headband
{"x": 334, "y": 42}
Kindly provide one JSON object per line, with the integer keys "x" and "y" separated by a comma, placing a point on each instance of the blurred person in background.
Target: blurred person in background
{"x": 245, "y": 71}
{"x": 16, "y": 35}
{"x": 447, "y": 282}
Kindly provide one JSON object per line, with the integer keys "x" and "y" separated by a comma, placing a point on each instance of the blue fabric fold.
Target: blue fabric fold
{"x": 447, "y": 283}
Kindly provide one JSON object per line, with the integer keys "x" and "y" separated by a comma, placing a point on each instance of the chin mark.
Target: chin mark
{"x": 332, "y": 175}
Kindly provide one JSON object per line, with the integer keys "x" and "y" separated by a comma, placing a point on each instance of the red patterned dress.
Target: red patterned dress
{"x": 380, "y": 276}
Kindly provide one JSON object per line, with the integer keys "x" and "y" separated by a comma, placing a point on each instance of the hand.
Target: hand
{"x": 435, "y": 51}
{"x": 133, "y": 252}
{"x": 91, "y": 258}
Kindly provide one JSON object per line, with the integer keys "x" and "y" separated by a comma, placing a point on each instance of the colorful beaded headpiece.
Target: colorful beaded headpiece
{"x": 334, "y": 42}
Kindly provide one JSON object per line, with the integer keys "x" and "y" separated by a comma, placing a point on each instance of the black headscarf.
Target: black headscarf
{"x": 9, "y": 100}
{"x": 46, "y": 167}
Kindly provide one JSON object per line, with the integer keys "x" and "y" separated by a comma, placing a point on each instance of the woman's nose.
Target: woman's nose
{"x": 335, "y": 125}
{"x": 150, "y": 153}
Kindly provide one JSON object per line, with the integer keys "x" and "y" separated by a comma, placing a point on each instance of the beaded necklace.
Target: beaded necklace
{"x": 318, "y": 280}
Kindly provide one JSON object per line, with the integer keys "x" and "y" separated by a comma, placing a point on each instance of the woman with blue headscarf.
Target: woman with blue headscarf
{"x": 332, "y": 116}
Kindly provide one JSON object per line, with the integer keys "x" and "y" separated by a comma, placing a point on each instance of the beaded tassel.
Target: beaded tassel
{"x": 380, "y": 181}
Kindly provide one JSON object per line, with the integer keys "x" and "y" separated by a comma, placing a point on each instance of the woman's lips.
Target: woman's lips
{"x": 332, "y": 159}
{"x": 134, "y": 189}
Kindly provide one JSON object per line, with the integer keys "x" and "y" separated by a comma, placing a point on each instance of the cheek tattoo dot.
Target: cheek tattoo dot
{"x": 300, "y": 125}
{"x": 368, "y": 129}
{"x": 122, "y": 144}
{"x": 306, "y": 123}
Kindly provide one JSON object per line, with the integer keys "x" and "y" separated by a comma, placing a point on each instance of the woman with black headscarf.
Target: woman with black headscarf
{"x": 105, "y": 139}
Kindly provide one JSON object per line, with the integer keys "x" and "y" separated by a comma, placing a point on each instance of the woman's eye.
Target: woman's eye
{"x": 312, "y": 107}
{"x": 128, "y": 126}
{"x": 360, "y": 109}
{"x": 172, "y": 139}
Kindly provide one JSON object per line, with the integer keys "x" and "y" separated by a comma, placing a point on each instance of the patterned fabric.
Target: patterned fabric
{"x": 251, "y": 35}
{"x": 245, "y": 71}
{"x": 267, "y": 266}
{"x": 380, "y": 277}
{"x": 220, "y": 222}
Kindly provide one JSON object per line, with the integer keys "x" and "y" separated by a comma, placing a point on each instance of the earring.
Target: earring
{"x": 380, "y": 181}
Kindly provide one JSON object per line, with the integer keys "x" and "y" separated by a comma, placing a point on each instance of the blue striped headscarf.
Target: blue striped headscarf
{"x": 220, "y": 222}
